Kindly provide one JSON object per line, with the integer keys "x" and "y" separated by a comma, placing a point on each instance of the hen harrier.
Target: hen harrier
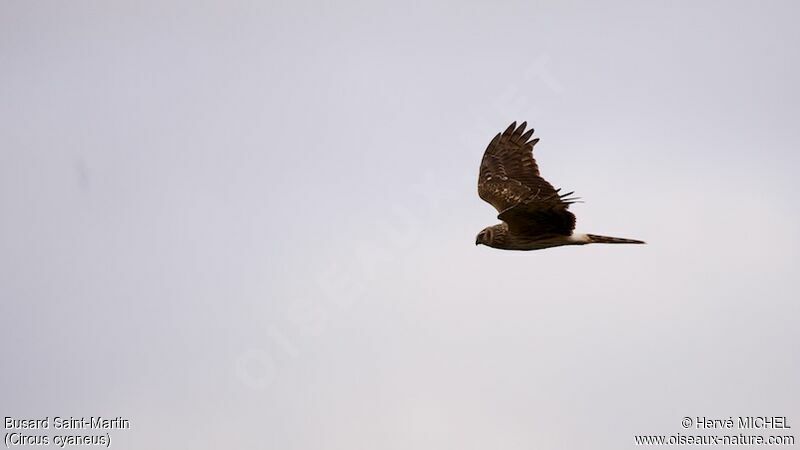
{"x": 533, "y": 212}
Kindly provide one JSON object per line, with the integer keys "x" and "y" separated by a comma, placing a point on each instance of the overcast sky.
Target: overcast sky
{"x": 251, "y": 224}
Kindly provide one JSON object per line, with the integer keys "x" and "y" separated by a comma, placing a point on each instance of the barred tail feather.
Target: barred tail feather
{"x": 595, "y": 239}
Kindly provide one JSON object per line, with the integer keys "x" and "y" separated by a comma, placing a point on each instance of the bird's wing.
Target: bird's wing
{"x": 509, "y": 180}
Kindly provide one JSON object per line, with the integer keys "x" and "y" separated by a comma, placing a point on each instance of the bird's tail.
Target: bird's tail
{"x": 595, "y": 239}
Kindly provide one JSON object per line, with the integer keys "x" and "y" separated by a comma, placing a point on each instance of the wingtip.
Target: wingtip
{"x": 524, "y": 138}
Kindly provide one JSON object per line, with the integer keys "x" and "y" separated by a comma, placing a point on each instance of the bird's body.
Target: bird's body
{"x": 497, "y": 236}
{"x": 534, "y": 214}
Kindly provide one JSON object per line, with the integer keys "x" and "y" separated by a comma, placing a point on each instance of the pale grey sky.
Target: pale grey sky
{"x": 251, "y": 224}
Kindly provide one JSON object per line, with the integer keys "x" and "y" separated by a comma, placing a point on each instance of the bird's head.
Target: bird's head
{"x": 484, "y": 237}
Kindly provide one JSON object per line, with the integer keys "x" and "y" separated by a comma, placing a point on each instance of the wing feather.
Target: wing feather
{"x": 509, "y": 180}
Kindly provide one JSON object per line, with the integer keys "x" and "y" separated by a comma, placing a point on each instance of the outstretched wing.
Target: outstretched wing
{"x": 509, "y": 180}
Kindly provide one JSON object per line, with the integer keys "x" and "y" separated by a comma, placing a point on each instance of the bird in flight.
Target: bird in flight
{"x": 534, "y": 214}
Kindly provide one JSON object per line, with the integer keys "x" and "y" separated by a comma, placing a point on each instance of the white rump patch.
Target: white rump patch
{"x": 580, "y": 238}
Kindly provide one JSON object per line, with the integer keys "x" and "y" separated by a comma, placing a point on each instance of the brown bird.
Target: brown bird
{"x": 533, "y": 212}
